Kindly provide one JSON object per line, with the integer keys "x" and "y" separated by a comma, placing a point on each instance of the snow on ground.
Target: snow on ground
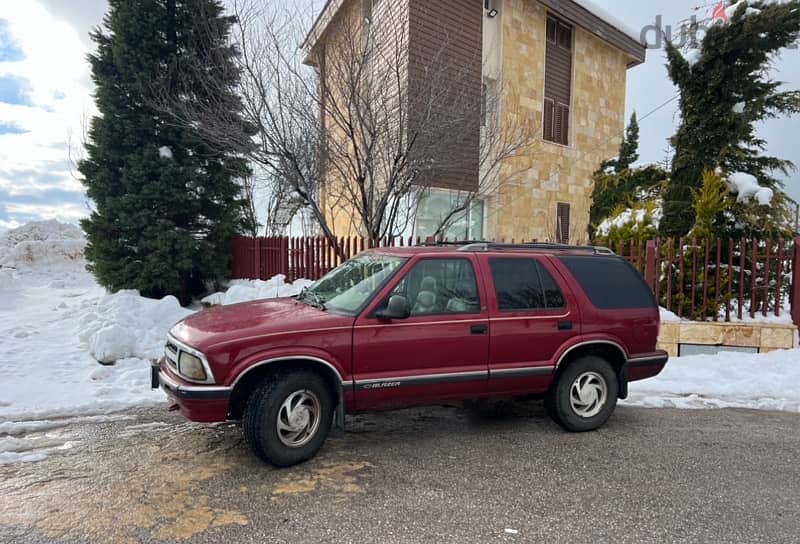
{"x": 57, "y": 324}
{"x": 667, "y": 316}
{"x": 48, "y": 305}
{"x": 124, "y": 324}
{"x": 725, "y": 380}
{"x": 244, "y": 290}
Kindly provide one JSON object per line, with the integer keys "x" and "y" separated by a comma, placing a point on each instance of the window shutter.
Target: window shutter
{"x": 562, "y": 223}
{"x": 564, "y": 36}
{"x": 563, "y": 116}
{"x": 551, "y": 30}
{"x": 547, "y": 120}
{"x": 557, "y": 80}
{"x": 558, "y": 125}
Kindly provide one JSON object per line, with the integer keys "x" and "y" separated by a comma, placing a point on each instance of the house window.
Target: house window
{"x": 437, "y": 208}
{"x": 562, "y": 223}
{"x": 557, "y": 81}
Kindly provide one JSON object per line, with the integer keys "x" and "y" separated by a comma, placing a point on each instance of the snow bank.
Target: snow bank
{"x": 725, "y": 380}
{"x": 41, "y": 243}
{"x": 245, "y": 290}
{"x": 127, "y": 325}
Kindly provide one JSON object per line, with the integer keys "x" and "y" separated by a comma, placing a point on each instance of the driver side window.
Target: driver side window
{"x": 440, "y": 287}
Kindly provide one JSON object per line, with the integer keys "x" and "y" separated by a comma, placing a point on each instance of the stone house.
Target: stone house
{"x": 567, "y": 65}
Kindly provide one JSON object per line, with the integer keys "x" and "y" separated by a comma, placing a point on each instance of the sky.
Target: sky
{"x": 46, "y": 99}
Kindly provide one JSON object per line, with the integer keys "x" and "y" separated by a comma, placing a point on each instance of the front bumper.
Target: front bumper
{"x": 204, "y": 403}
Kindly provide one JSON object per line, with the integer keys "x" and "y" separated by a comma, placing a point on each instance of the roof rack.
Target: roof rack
{"x": 486, "y": 246}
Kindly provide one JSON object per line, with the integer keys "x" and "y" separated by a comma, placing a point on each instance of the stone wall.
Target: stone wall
{"x": 764, "y": 336}
{"x": 525, "y": 205}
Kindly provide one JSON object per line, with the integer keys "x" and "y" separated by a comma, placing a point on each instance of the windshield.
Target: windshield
{"x": 349, "y": 286}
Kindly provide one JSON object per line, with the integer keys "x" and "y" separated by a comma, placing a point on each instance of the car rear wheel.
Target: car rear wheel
{"x": 288, "y": 416}
{"x": 584, "y": 396}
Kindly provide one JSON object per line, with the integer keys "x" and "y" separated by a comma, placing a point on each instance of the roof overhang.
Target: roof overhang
{"x": 580, "y": 15}
{"x": 575, "y": 12}
{"x": 321, "y": 23}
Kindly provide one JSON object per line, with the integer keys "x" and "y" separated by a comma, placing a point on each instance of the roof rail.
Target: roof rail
{"x": 445, "y": 243}
{"x": 486, "y": 246}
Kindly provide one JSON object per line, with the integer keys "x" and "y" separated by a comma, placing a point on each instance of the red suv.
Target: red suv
{"x": 404, "y": 326}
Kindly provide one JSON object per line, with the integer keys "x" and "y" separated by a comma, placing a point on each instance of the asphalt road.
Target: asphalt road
{"x": 422, "y": 475}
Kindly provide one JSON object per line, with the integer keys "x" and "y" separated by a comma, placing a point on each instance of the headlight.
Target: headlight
{"x": 191, "y": 367}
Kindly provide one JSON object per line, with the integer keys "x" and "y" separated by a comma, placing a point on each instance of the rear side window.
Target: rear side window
{"x": 610, "y": 283}
{"x": 524, "y": 284}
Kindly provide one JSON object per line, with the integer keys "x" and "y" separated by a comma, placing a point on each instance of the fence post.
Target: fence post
{"x": 650, "y": 275}
{"x": 795, "y": 294}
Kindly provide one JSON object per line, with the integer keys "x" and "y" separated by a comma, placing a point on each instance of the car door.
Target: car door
{"x": 531, "y": 314}
{"x": 440, "y": 352}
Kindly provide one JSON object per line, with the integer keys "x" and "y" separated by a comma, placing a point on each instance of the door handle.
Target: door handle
{"x": 479, "y": 329}
{"x": 565, "y": 325}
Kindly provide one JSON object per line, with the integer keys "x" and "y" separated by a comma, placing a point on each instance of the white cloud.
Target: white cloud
{"x": 63, "y": 212}
{"x": 55, "y": 68}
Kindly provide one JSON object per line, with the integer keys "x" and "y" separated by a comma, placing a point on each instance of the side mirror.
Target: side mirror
{"x": 397, "y": 308}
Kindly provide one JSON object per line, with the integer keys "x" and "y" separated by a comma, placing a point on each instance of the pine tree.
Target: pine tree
{"x": 166, "y": 203}
{"x": 628, "y": 149}
{"x": 723, "y": 95}
{"x": 616, "y": 184}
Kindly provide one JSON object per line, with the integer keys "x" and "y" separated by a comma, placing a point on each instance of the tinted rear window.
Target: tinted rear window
{"x": 609, "y": 282}
{"x": 524, "y": 284}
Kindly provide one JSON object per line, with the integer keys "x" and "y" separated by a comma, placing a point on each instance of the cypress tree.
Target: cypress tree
{"x": 725, "y": 90}
{"x": 166, "y": 204}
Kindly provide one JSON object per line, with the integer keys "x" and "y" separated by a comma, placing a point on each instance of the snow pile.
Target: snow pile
{"x": 126, "y": 325}
{"x": 47, "y": 371}
{"x": 747, "y": 188}
{"x": 7, "y": 278}
{"x": 692, "y": 56}
{"x": 41, "y": 243}
{"x": 725, "y": 380}
{"x": 246, "y": 290}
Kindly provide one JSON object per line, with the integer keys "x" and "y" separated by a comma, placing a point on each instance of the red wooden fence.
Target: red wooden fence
{"x": 697, "y": 279}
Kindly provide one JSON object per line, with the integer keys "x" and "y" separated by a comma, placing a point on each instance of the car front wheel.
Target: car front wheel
{"x": 585, "y": 394}
{"x": 288, "y": 416}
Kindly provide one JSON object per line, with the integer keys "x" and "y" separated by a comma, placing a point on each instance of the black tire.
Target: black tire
{"x": 583, "y": 415}
{"x": 260, "y": 421}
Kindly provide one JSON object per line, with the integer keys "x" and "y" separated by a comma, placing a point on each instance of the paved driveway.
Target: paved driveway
{"x": 421, "y": 475}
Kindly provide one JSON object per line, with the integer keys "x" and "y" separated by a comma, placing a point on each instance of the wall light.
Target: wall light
{"x": 492, "y": 13}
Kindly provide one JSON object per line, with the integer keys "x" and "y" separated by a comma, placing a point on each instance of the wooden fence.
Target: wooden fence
{"x": 704, "y": 280}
